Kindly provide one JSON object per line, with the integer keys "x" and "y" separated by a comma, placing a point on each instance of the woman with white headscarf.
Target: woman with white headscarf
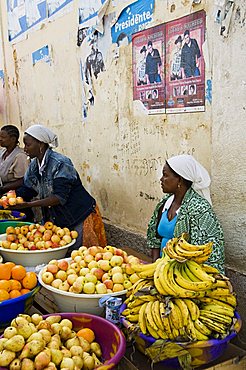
{"x": 52, "y": 178}
{"x": 187, "y": 208}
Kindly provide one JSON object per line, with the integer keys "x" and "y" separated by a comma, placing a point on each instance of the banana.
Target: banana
{"x": 142, "y": 319}
{"x": 186, "y": 253}
{"x": 219, "y": 328}
{"x": 219, "y": 283}
{"x": 148, "y": 273}
{"x": 190, "y": 330}
{"x": 131, "y": 311}
{"x": 151, "y": 330}
{"x": 183, "y": 308}
{"x": 175, "y": 316}
{"x": 203, "y": 258}
{"x": 202, "y": 327}
{"x": 149, "y": 315}
{"x": 174, "y": 330}
{"x": 219, "y": 302}
{"x": 135, "y": 287}
{"x": 132, "y": 318}
{"x": 167, "y": 327}
{"x": 200, "y": 335}
{"x": 164, "y": 278}
{"x": 219, "y": 309}
{"x": 157, "y": 283}
{"x": 194, "y": 248}
{"x": 178, "y": 290}
{"x": 135, "y": 302}
{"x": 223, "y": 319}
{"x": 188, "y": 284}
{"x": 193, "y": 309}
{"x": 231, "y": 299}
{"x": 156, "y": 315}
{"x": 197, "y": 270}
{"x": 169, "y": 249}
{"x": 210, "y": 269}
{"x": 141, "y": 267}
{"x": 218, "y": 292}
{"x": 188, "y": 274}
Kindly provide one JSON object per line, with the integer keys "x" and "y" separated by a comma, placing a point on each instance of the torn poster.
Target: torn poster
{"x": 35, "y": 12}
{"x": 133, "y": 18}
{"x": 41, "y": 54}
{"x": 17, "y": 25}
{"x": 88, "y": 12}
{"x": 148, "y": 52}
{"x": 185, "y": 66}
{"x": 58, "y": 6}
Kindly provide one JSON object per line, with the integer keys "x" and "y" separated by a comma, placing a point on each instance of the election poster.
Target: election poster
{"x": 59, "y": 7}
{"x": 17, "y": 24}
{"x": 185, "y": 67}
{"x": 88, "y": 12}
{"x": 148, "y": 53}
{"x": 133, "y": 18}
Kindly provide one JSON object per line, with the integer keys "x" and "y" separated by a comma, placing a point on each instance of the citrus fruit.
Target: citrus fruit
{"x": 87, "y": 334}
{"x": 15, "y": 284}
{"x": 4, "y": 295}
{"x": 5, "y": 271}
{"x": 24, "y": 291}
{"x": 5, "y": 285}
{"x": 30, "y": 280}
{"x": 18, "y": 272}
{"x": 14, "y": 294}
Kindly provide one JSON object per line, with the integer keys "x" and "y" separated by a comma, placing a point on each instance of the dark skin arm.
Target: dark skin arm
{"x": 46, "y": 202}
{"x": 155, "y": 253}
{"x": 11, "y": 185}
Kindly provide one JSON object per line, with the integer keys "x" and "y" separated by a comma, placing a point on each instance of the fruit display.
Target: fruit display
{"x": 10, "y": 199}
{"x": 34, "y": 342}
{"x": 15, "y": 281}
{"x": 180, "y": 298}
{"x": 93, "y": 270}
{"x": 37, "y": 237}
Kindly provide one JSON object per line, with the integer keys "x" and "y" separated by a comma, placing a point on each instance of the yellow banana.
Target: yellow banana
{"x": 200, "y": 335}
{"x": 146, "y": 298}
{"x": 149, "y": 315}
{"x": 188, "y": 284}
{"x": 202, "y": 327}
{"x": 219, "y": 328}
{"x": 151, "y": 330}
{"x": 178, "y": 290}
{"x": 157, "y": 283}
{"x": 219, "y": 283}
{"x": 190, "y": 330}
{"x": 193, "y": 309}
{"x": 175, "y": 316}
{"x": 132, "y": 318}
{"x": 197, "y": 270}
{"x": 210, "y": 269}
{"x": 185, "y": 253}
{"x": 135, "y": 287}
{"x": 148, "y": 273}
{"x": 156, "y": 314}
{"x": 170, "y": 250}
{"x": 167, "y": 327}
{"x": 203, "y": 258}
{"x": 142, "y": 319}
{"x": 219, "y": 302}
{"x": 134, "y": 302}
{"x": 174, "y": 330}
{"x": 187, "y": 274}
{"x": 218, "y": 292}
{"x": 192, "y": 247}
{"x": 219, "y": 309}
{"x": 223, "y": 319}
{"x": 183, "y": 308}
{"x": 231, "y": 299}
{"x": 164, "y": 278}
{"x": 141, "y": 267}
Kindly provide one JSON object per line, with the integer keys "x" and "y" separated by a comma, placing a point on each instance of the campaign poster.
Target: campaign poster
{"x": 133, "y": 18}
{"x": 57, "y": 6}
{"x": 88, "y": 12}
{"x": 148, "y": 52}
{"x": 185, "y": 67}
{"x": 35, "y": 12}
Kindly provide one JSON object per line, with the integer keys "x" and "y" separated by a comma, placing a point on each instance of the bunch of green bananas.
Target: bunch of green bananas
{"x": 180, "y": 250}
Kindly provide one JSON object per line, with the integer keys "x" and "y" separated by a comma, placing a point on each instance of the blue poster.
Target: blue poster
{"x": 133, "y": 18}
{"x": 35, "y": 12}
{"x": 41, "y": 54}
{"x": 16, "y": 18}
{"x": 55, "y": 5}
{"x": 88, "y": 10}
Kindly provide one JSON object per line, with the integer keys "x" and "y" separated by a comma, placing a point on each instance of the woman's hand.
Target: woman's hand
{"x": 19, "y": 206}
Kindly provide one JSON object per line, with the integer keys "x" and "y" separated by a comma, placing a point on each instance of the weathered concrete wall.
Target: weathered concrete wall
{"x": 119, "y": 151}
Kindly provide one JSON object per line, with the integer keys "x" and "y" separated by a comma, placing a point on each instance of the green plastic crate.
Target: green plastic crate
{"x": 4, "y": 225}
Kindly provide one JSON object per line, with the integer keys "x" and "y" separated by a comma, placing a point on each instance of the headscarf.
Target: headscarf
{"x": 43, "y": 134}
{"x": 187, "y": 167}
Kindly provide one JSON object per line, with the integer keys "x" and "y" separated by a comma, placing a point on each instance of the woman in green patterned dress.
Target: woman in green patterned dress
{"x": 186, "y": 207}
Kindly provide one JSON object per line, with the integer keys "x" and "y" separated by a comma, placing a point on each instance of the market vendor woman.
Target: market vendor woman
{"x": 187, "y": 208}
{"x": 52, "y": 178}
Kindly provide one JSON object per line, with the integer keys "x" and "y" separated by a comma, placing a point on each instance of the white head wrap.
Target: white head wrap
{"x": 43, "y": 134}
{"x": 187, "y": 167}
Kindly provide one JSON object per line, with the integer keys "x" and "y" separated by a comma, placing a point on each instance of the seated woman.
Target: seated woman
{"x": 13, "y": 159}
{"x": 187, "y": 208}
{"x": 63, "y": 199}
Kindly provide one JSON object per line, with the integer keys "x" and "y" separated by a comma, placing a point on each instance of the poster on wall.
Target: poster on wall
{"x": 35, "y": 12}
{"x": 60, "y": 7}
{"x": 133, "y": 18}
{"x": 148, "y": 53}
{"x": 17, "y": 25}
{"x": 88, "y": 12}
{"x": 185, "y": 67}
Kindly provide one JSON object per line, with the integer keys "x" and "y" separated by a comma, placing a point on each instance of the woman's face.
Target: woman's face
{"x": 169, "y": 181}
{"x": 31, "y": 146}
{"x": 6, "y": 140}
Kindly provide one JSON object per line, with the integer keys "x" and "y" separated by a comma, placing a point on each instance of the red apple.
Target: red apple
{"x": 52, "y": 268}
{"x": 108, "y": 283}
{"x": 63, "y": 265}
{"x": 55, "y": 238}
{"x": 119, "y": 252}
{"x": 105, "y": 277}
{"x": 74, "y": 234}
{"x": 98, "y": 256}
{"x": 98, "y": 273}
{"x": 93, "y": 250}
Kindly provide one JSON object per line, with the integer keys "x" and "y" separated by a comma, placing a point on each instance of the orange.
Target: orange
{"x": 87, "y": 334}
{"x": 10, "y": 264}
{"x": 14, "y": 293}
{"x": 18, "y": 272}
{"x": 15, "y": 284}
{"x": 5, "y": 285}
{"x": 24, "y": 291}
{"x": 4, "y": 295}
{"x": 30, "y": 280}
{"x": 5, "y": 271}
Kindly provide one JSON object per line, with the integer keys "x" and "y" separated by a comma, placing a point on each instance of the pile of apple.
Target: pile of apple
{"x": 92, "y": 270}
{"x": 37, "y": 237}
{"x": 10, "y": 199}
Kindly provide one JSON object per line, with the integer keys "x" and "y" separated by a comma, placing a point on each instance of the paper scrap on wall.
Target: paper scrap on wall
{"x": 41, "y": 54}
{"x": 58, "y": 7}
